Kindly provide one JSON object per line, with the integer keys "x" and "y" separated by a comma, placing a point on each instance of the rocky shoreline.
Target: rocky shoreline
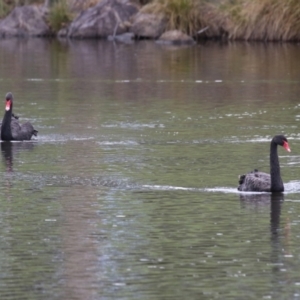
{"x": 128, "y": 20}
{"x": 119, "y": 20}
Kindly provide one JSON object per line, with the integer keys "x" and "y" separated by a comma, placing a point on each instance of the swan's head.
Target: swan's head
{"x": 282, "y": 141}
{"x": 9, "y": 101}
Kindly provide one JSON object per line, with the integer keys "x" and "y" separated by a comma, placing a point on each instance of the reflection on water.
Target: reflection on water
{"x": 130, "y": 189}
{"x": 263, "y": 198}
{"x": 7, "y": 155}
{"x": 274, "y": 201}
{"x": 9, "y": 149}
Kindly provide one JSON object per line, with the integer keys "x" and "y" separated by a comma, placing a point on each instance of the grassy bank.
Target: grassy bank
{"x": 263, "y": 20}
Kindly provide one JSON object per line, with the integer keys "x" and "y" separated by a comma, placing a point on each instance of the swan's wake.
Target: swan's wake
{"x": 292, "y": 187}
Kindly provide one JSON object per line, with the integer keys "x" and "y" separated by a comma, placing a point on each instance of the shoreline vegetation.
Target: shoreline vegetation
{"x": 255, "y": 20}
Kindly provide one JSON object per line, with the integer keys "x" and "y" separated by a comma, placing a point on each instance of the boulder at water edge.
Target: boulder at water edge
{"x": 175, "y": 37}
{"x": 149, "y": 26}
{"x": 25, "y": 21}
{"x": 109, "y": 17}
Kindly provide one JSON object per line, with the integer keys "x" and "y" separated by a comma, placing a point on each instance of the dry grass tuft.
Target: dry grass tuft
{"x": 266, "y": 20}
{"x": 190, "y": 16}
{"x": 184, "y": 15}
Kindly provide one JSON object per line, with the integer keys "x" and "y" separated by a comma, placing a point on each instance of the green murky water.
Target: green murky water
{"x": 129, "y": 191}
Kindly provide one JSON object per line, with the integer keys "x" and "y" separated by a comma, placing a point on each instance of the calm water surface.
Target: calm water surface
{"x": 129, "y": 191}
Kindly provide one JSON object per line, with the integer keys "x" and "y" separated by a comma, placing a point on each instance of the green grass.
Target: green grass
{"x": 4, "y": 9}
{"x": 59, "y": 15}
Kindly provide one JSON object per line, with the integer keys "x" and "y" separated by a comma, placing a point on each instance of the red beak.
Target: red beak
{"x": 8, "y": 104}
{"x": 286, "y": 146}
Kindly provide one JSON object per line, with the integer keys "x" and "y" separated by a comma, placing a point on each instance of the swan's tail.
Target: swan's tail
{"x": 242, "y": 178}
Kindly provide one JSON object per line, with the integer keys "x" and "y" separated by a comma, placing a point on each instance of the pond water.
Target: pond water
{"x": 129, "y": 190}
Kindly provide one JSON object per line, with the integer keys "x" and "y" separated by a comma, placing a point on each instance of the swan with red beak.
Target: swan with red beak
{"x": 256, "y": 181}
{"x": 11, "y": 129}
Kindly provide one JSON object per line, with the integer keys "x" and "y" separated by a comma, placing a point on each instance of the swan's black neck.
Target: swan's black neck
{"x": 6, "y": 134}
{"x": 276, "y": 181}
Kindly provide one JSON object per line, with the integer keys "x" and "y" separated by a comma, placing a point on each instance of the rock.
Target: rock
{"x": 25, "y": 21}
{"x": 149, "y": 26}
{"x": 109, "y": 17}
{"x": 175, "y": 37}
{"x": 127, "y": 37}
{"x": 63, "y": 32}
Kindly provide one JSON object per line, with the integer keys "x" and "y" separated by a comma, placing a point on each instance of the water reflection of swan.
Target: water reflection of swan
{"x": 275, "y": 201}
{"x": 9, "y": 149}
{"x": 265, "y": 198}
{"x": 277, "y": 243}
{"x": 262, "y": 182}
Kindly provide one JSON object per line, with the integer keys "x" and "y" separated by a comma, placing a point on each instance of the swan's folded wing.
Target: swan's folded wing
{"x": 255, "y": 182}
{"x": 27, "y": 131}
{"x": 22, "y": 132}
{"x": 15, "y": 128}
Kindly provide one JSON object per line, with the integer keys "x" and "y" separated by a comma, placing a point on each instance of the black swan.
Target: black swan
{"x": 256, "y": 181}
{"x": 11, "y": 130}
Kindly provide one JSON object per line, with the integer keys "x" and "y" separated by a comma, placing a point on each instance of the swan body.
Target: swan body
{"x": 11, "y": 129}
{"x": 256, "y": 181}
